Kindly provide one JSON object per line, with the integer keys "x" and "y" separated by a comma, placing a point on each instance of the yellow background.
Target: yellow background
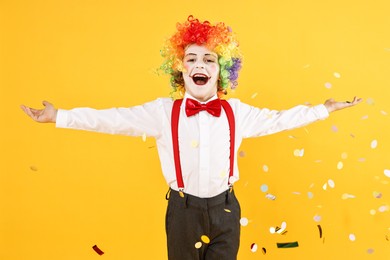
{"x": 63, "y": 191}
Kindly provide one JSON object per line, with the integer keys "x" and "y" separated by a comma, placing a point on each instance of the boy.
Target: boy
{"x": 197, "y": 136}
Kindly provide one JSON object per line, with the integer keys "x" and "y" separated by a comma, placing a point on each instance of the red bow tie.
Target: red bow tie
{"x": 213, "y": 107}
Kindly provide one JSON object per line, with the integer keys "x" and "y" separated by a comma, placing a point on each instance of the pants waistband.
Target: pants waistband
{"x": 200, "y": 202}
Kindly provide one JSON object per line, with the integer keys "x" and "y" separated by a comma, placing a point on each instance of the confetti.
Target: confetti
{"x": 282, "y": 228}
{"x": 331, "y": 183}
{"x": 328, "y": 85}
{"x": 370, "y": 251}
{"x": 337, "y": 75}
{"x": 264, "y": 250}
{"x": 352, "y": 237}
{"x": 97, "y": 250}
{"x": 364, "y": 117}
{"x": 244, "y": 222}
{"x": 334, "y": 128}
{"x": 194, "y": 144}
{"x": 383, "y": 208}
{"x": 373, "y": 212}
{"x": 33, "y": 168}
{"x": 265, "y": 168}
{"x": 320, "y": 230}
{"x": 377, "y": 195}
{"x": 346, "y": 196}
{"x": 198, "y": 245}
{"x": 254, "y": 95}
{"x": 144, "y": 137}
{"x": 272, "y": 230}
{"x": 270, "y": 196}
{"x": 242, "y": 154}
{"x": 287, "y": 245}
{"x": 384, "y": 113}
{"x": 340, "y": 165}
{"x": 299, "y": 152}
{"x": 370, "y": 101}
{"x": 317, "y": 218}
{"x": 344, "y": 156}
{"x": 254, "y": 247}
{"x": 374, "y": 144}
{"x": 205, "y": 239}
{"x": 310, "y": 195}
{"x": 324, "y": 186}
{"x": 264, "y": 188}
{"x": 387, "y": 173}
{"x": 228, "y": 210}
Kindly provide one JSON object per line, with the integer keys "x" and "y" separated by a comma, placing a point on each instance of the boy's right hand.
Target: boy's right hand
{"x": 46, "y": 115}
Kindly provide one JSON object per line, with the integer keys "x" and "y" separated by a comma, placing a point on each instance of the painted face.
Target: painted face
{"x": 201, "y": 72}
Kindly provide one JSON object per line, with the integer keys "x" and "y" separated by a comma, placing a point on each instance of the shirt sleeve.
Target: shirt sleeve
{"x": 146, "y": 119}
{"x": 258, "y": 122}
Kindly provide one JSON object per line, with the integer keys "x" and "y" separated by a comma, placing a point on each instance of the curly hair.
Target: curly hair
{"x": 219, "y": 38}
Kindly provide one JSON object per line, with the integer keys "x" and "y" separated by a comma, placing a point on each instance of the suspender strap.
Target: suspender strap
{"x": 232, "y": 126}
{"x": 175, "y": 139}
{"x": 175, "y": 142}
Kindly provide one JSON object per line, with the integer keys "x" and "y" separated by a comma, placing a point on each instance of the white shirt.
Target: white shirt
{"x": 204, "y": 140}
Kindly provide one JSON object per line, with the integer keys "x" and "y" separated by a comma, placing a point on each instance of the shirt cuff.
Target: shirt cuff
{"x": 321, "y": 111}
{"x": 62, "y": 118}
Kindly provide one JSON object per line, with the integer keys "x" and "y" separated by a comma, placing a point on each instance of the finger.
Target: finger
{"x": 46, "y": 103}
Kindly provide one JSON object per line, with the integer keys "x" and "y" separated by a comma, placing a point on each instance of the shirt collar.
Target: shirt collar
{"x": 186, "y": 95}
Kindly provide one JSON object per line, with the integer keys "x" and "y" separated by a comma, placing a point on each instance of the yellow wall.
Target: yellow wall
{"x": 63, "y": 191}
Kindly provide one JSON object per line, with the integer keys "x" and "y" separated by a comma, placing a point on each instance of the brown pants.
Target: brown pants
{"x": 190, "y": 219}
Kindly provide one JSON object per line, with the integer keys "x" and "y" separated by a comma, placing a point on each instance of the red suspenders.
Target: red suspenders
{"x": 175, "y": 139}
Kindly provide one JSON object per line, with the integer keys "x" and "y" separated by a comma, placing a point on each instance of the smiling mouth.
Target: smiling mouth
{"x": 200, "y": 79}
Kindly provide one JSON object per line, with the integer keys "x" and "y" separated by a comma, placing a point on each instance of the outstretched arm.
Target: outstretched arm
{"x": 332, "y": 105}
{"x": 45, "y": 115}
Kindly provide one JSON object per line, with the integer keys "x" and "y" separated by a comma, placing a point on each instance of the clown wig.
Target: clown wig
{"x": 219, "y": 38}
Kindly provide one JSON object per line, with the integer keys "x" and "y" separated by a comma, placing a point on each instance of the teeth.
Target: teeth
{"x": 199, "y": 76}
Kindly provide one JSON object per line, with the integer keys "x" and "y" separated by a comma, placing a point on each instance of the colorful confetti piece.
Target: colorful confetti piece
{"x": 370, "y": 251}
{"x": 242, "y": 154}
{"x": 270, "y": 196}
{"x": 340, "y": 165}
{"x": 310, "y": 195}
{"x": 264, "y": 188}
{"x": 320, "y": 230}
{"x": 264, "y": 250}
{"x": 387, "y": 173}
{"x": 352, "y": 237}
{"x": 198, "y": 245}
{"x": 335, "y": 129}
{"x": 331, "y": 183}
{"x": 144, "y": 137}
{"x": 97, "y": 250}
{"x": 228, "y": 210}
{"x": 254, "y": 95}
{"x": 287, "y": 245}
{"x": 317, "y": 218}
{"x": 328, "y": 85}
{"x": 374, "y": 144}
{"x": 377, "y": 194}
{"x": 299, "y": 152}
{"x": 254, "y": 247}
{"x": 337, "y": 75}
{"x": 265, "y": 168}
{"x": 194, "y": 144}
{"x": 205, "y": 239}
{"x": 244, "y": 222}
{"x": 346, "y": 196}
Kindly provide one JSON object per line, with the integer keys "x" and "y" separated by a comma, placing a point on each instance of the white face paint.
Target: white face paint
{"x": 201, "y": 72}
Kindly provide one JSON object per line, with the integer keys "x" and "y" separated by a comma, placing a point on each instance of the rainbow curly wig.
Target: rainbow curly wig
{"x": 219, "y": 38}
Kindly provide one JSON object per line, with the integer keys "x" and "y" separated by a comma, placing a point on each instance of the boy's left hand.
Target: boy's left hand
{"x": 333, "y": 105}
